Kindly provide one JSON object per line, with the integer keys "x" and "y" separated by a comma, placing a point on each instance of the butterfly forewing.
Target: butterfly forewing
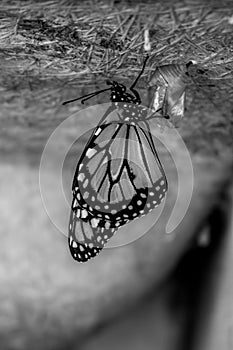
{"x": 122, "y": 180}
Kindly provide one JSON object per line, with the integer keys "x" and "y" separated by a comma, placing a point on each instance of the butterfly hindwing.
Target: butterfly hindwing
{"x": 87, "y": 235}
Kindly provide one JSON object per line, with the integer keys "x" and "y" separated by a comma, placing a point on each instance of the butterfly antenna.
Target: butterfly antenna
{"x": 85, "y": 97}
{"x": 140, "y": 74}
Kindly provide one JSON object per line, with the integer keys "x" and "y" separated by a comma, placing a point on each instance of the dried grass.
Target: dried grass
{"x": 70, "y": 40}
{"x": 54, "y": 48}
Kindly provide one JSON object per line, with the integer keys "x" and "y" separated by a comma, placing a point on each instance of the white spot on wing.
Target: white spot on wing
{"x": 94, "y": 222}
{"x": 81, "y": 177}
{"x": 107, "y": 225}
{"x": 85, "y": 183}
{"x": 98, "y": 131}
{"x": 90, "y": 152}
{"x": 86, "y": 195}
{"x": 74, "y": 244}
{"x": 84, "y": 213}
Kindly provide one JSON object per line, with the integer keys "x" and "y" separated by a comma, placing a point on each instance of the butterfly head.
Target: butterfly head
{"x": 119, "y": 93}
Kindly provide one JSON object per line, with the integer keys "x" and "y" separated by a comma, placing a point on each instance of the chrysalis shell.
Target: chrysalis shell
{"x": 167, "y": 91}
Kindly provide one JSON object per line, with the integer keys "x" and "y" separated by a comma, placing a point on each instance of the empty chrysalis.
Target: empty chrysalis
{"x": 167, "y": 90}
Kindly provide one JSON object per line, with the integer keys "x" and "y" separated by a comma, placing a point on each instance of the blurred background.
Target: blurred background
{"x": 160, "y": 292}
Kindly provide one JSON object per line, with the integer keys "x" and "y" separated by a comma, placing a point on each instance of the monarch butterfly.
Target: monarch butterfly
{"x": 119, "y": 176}
{"x": 167, "y": 90}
